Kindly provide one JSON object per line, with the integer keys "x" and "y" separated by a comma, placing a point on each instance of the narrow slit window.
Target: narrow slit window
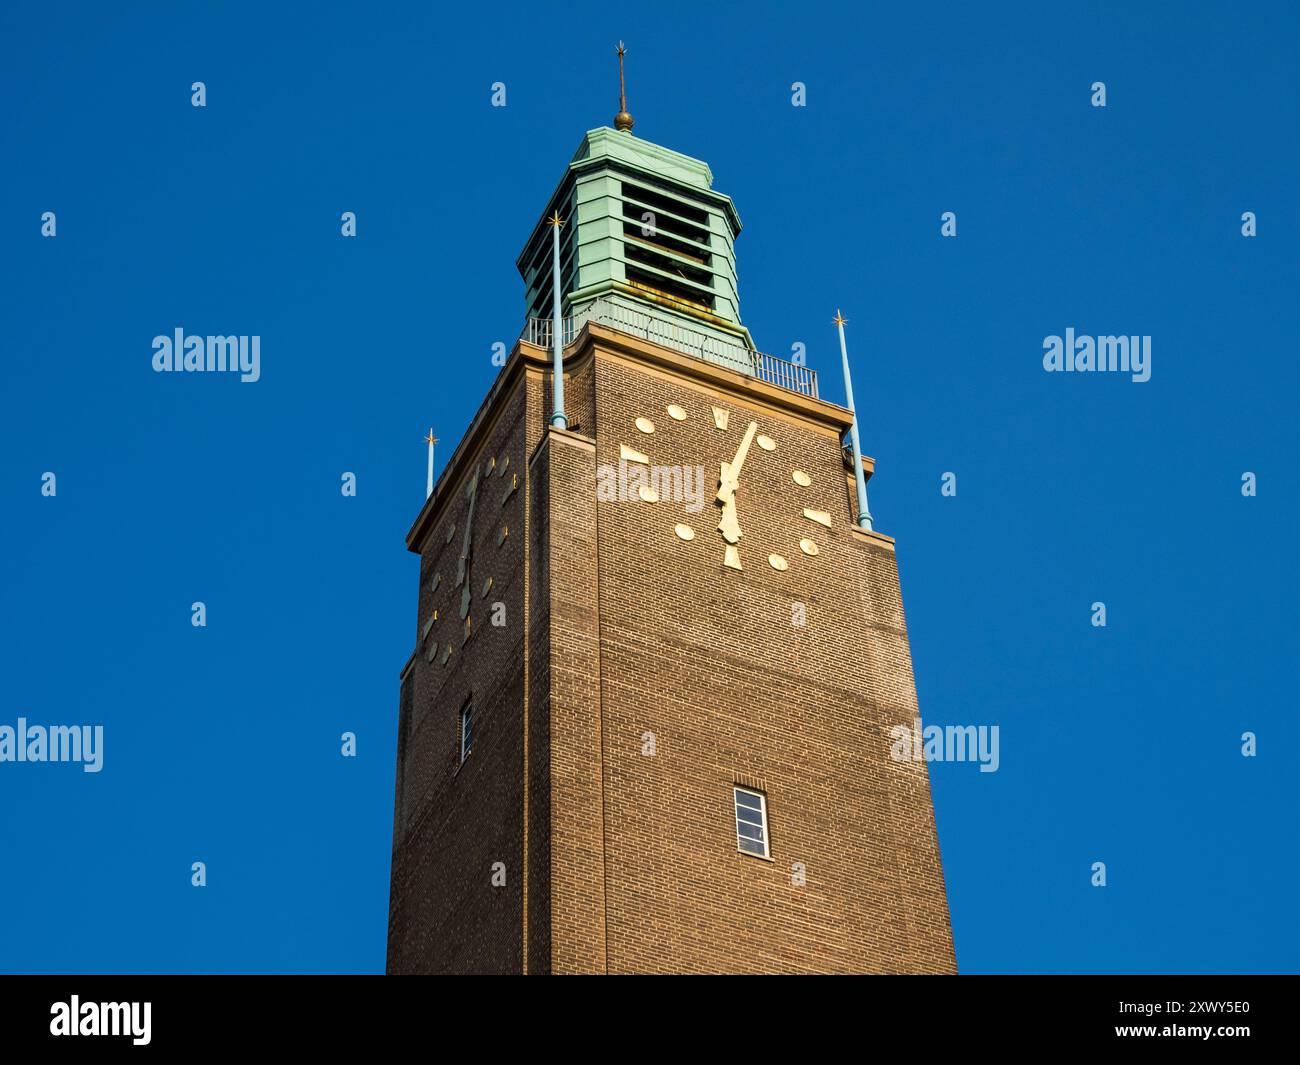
{"x": 466, "y": 730}
{"x": 751, "y": 822}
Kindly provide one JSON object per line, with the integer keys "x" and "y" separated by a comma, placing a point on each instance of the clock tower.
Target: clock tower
{"x": 646, "y": 724}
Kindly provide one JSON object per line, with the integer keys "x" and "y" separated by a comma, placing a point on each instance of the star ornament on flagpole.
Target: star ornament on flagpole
{"x": 555, "y": 220}
{"x": 431, "y": 439}
{"x": 839, "y": 319}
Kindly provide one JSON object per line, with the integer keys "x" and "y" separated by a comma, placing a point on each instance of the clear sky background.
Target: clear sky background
{"x": 1120, "y": 744}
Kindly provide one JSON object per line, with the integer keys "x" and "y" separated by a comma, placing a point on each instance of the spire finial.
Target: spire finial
{"x": 622, "y": 120}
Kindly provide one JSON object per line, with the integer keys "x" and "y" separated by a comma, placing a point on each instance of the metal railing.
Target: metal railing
{"x": 780, "y": 372}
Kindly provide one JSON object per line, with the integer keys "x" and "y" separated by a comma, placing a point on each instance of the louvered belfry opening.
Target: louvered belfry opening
{"x": 667, "y": 246}
{"x": 646, "y": 231}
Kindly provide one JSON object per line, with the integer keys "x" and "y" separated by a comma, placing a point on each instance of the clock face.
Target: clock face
{"x": 741, "y": 444}
{"x": 490, "y": 488}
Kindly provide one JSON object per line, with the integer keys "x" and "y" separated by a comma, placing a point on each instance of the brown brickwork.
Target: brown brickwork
{"x": 619, "y": 861}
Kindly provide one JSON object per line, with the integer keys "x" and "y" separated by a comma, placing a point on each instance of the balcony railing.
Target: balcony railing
{"x": 780, "y": 372}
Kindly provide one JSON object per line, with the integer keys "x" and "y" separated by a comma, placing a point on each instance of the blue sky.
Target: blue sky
{"x": 1119, "y": 744}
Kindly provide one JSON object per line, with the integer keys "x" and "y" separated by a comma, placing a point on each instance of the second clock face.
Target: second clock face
{"x": 745, "y": 443}
{"x": 482, "y": 514}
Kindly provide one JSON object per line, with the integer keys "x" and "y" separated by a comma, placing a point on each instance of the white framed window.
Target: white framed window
{"x": 466, "y": 730}
{"x": 751, "y": 822}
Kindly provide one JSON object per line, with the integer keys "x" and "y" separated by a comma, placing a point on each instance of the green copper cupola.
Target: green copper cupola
{"x": 647, "y": 237}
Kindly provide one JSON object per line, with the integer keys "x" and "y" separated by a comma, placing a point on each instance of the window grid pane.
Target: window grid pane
{"x": 751, "y": 822}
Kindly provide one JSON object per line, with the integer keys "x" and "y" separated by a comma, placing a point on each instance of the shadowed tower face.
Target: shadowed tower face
{"x": 646, "y": 725}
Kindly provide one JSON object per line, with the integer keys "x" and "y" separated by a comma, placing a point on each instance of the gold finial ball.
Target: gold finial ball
{"x": 623, "y": 121}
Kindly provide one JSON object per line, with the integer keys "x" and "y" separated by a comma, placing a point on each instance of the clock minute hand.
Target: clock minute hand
{"x": 467, "y": 546}
{"x": 729, "y": 474}
{"x": 466, "y": 543}
{"x": 728, "y": 482}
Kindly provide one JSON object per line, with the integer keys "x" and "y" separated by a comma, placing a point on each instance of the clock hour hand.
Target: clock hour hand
{"x": 729, "y": 526}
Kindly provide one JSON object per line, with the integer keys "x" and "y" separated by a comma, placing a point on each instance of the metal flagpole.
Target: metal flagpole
{"x": 558, "y": 417}
{"x": 430, "y": 440}
{"x": 864, "y": 515}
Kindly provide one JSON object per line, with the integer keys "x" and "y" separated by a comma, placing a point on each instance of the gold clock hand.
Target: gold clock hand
{"x": 729, "y": 476}
{"x": 728, "y": 482}
{"x": 467, "y": 546}
{"x": 729, "y": 526}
